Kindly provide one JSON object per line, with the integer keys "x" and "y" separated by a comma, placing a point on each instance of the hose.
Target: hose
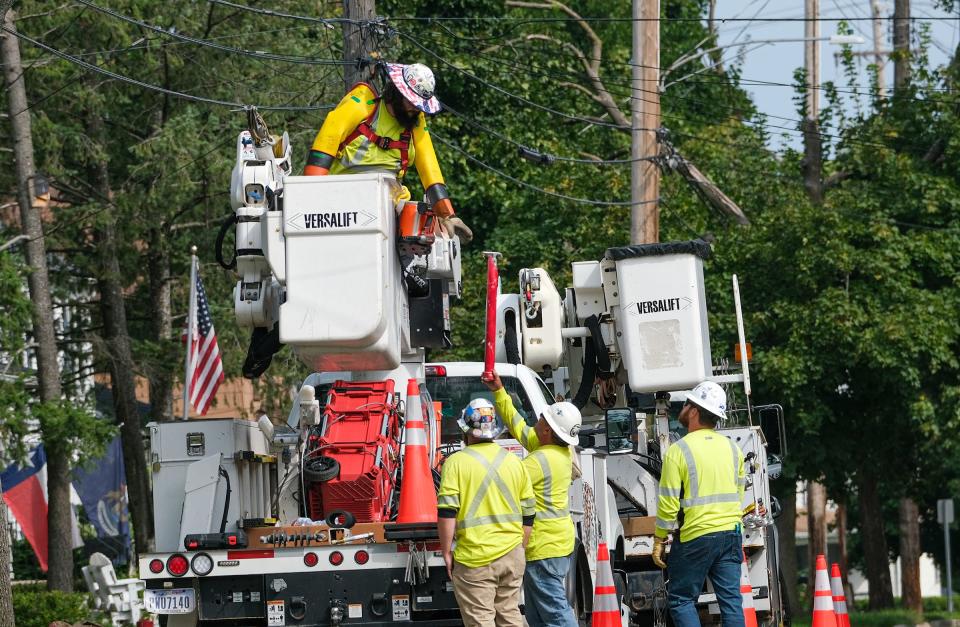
{"x": 226, "y": 500}
{"x": 218, "y": 247}
{"x": 604, "y": 370}
{"x": 588, "y": 376}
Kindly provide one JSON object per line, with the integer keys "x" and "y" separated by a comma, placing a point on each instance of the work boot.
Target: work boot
{"x": 264, "y": 344}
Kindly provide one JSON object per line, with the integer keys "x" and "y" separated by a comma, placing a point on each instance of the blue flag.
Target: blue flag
{"x": 103, "y": 491}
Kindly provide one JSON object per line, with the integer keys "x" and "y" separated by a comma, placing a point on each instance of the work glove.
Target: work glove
{"x": 401, "y": 194}
{"x": 454, "y": 226}
{"x": 657, "y": 554}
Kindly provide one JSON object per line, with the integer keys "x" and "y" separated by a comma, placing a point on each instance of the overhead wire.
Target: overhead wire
{"x": 736, "y": 112}
{"x": 144, "y": 85}
{"x": 167, "y": 32}
{"x": 522, "y": 183}
{"x": 535, "y": 154}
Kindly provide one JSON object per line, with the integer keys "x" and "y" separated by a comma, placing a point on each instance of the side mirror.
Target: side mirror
{"x": 620, "y": 424}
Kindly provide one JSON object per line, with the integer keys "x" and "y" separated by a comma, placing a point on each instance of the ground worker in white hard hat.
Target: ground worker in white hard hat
{"x": 550, "y": 466}
{"x": 703, "y": 474}
{"x": 486, "y": 503}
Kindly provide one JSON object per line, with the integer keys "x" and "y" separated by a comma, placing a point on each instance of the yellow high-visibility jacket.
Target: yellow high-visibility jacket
{"x": 354, "y": 152}
{"x": 550, "y": 468}
{"x": 704, "y": 474}
{"x": 490, "y": 493}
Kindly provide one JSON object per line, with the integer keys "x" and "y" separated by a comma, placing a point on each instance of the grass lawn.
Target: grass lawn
{"x": 885, "y": 618}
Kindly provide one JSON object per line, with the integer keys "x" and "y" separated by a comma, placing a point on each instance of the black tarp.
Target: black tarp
{"x": 696, "y": 247}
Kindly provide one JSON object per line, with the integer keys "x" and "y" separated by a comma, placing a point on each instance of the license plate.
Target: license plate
{"x": 176, "y": 601}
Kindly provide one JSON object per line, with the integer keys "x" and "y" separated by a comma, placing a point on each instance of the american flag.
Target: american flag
{"x": 205, "y": 367}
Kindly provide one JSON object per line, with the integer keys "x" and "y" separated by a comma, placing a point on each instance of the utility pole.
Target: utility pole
{"x": 879, "y": 55}
{"x": 60, "y": 552}
{"x": 645, "y": 119}
{"x": 901, "y": 43}
{"x": 812, "y": 148}
{"x": 357, "y": 40}
{"x": 879, "y": 52}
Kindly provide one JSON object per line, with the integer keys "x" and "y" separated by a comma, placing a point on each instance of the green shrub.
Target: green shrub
{"x": 35, "y": 606}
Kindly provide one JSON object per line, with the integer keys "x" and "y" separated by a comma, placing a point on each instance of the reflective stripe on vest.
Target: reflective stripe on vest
{"x": 470, "y": 519}
{"x": 552, "y": 511}
{"x": 693, "y": 489}
{"x": 449, "y": 500}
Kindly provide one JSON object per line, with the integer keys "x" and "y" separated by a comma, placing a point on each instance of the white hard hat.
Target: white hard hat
{"x": 710, "y": 397}
{"x": 565, "y": 420}
{"x": 480, "y": 420}
{"x": 416, "y": 83}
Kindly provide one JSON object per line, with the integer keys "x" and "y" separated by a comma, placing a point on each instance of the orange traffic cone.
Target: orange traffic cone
{"x": 839, "y": 598}
{"x": 606, "y": 608}
{"x": 746, "y": 593}
{"x": 418, "y": 497}
{"x": 823, "y": 614}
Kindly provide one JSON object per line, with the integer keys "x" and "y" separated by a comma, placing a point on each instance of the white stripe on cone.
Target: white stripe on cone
{"x": 823, "y": 615}
{"x": 746, "y": 594}
{"x": 606, "y": 608}
{"x": 839, "y": 597}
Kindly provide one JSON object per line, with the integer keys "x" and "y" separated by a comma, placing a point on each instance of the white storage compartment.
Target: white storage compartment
{"x": 588, "y": 288}
{"x": 176, "y": 446}
{"x": 345, "y": 301}
{"x": 663, "y": 316}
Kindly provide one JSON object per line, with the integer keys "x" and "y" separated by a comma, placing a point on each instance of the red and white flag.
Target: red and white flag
{"x": 204, "y": 367}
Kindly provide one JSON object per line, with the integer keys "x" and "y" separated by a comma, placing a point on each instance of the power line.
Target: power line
{"x": 535, "y": 155}
{"x": 733, "y": 115}
{"x": 259, "y": 54}
{"x": 132, "y": 81}
{"x": 541, "y": 20}
{"x": 502, "y": 174}
{"x": 328, "y": 22}
{"x": 143, "y": 44}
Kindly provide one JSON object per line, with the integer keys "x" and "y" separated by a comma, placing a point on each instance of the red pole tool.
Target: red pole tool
{"x": 490, "y": 342}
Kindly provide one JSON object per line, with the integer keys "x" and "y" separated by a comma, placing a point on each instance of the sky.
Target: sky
{"x": 775, "y": 63}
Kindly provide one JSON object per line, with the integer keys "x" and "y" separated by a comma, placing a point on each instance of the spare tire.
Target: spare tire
{"x": 321, "y": 468}
{"x": 341, "y": 518}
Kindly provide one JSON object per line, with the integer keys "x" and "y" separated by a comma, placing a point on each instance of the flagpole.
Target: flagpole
{"x": 191, "y": 319}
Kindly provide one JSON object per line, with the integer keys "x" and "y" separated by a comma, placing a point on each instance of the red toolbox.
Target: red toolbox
{"x": 360, "y": 432}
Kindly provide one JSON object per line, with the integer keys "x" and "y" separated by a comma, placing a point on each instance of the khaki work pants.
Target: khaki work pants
{"x": 489, "y": 595}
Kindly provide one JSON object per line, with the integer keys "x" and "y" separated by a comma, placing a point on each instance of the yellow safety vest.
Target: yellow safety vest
{"x": 550, "y": 468}
{"x": 491, "y": 492}
{"x": 353, "y": 152}
{"x": 704, "y": 474}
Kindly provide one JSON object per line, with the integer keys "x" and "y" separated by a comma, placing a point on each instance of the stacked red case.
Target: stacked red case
{"x": 360, "y": 430}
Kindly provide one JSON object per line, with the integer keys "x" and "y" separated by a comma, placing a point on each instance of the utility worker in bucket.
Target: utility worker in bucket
{"x": 550, "y": 466}
{"x": 486, "y": 503}
{"x": 703, "y": 474}
{"x": 369, "y": 132}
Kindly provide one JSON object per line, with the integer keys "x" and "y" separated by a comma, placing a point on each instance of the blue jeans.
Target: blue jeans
{"x": 544, "y": 593}
{"x": 717, "y": 555}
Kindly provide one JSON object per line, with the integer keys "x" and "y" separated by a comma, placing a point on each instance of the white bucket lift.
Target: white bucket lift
{"x": 663, "y": 319}
{"x": 343, "y": 275}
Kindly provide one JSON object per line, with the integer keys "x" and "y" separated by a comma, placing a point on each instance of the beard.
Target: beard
{"x": 404, "y": 117}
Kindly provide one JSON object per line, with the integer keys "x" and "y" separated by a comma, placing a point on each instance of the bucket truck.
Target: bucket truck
{"x": 259, "y": 524}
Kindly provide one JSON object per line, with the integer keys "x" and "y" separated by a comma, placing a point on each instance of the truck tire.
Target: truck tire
{"x": 341, "y": 518}
{"x": 320, "y": 469}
